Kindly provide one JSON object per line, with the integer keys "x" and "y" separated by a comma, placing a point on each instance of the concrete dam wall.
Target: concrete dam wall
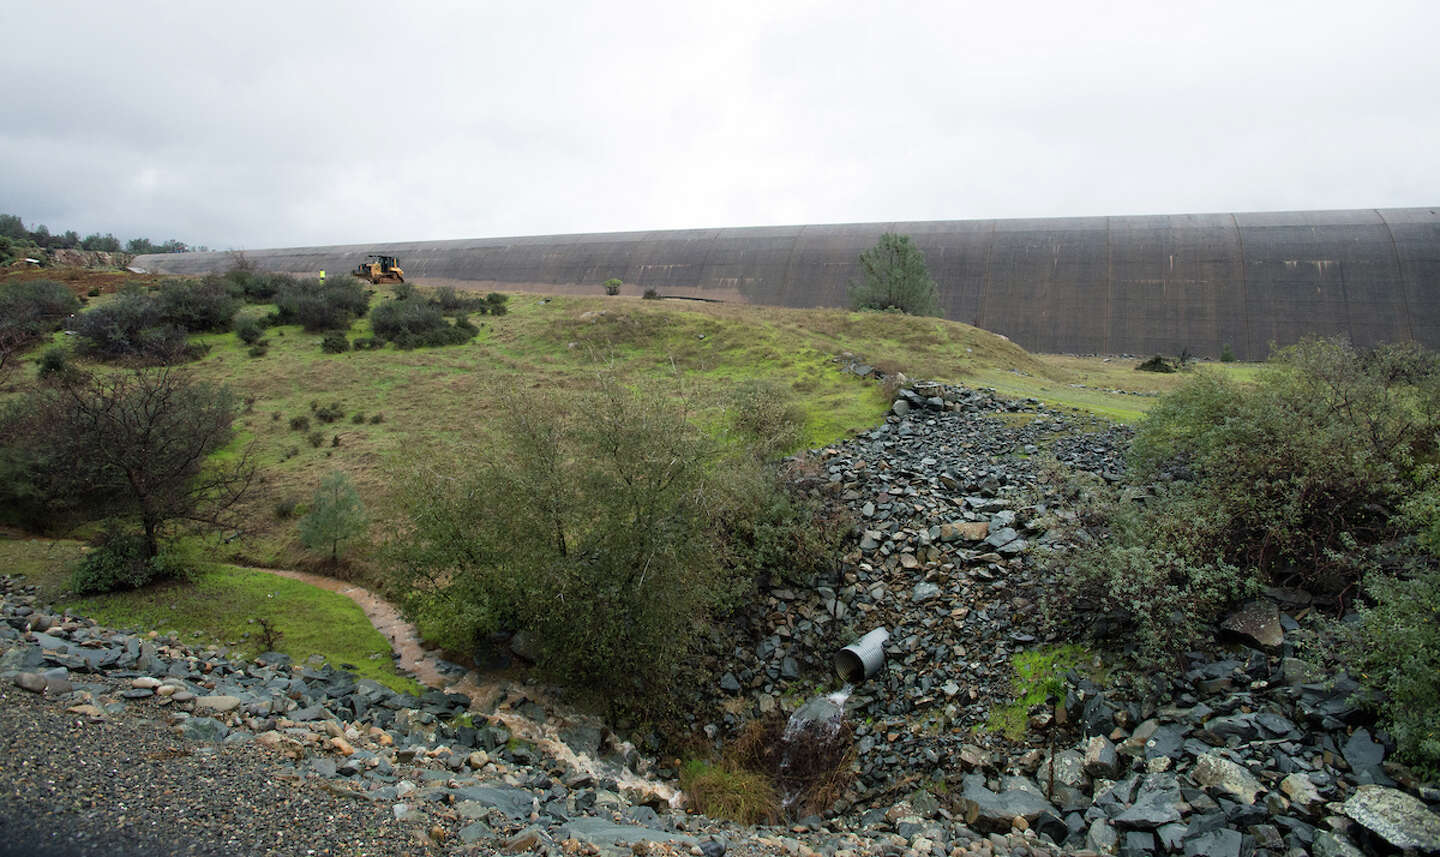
{"x": 1142, "y": 285}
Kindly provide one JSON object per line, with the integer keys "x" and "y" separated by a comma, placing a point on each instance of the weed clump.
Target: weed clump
{"x": 335, "y": 342}
{"x": 300, "y": 423}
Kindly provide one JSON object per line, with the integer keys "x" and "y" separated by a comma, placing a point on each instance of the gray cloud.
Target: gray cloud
{"x": 270, "y": 124}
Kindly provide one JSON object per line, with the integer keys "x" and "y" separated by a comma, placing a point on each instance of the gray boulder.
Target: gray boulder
{"x": 1396, "y": 817}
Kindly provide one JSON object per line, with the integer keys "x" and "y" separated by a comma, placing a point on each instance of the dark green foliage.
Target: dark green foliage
{"x": 285, "y": 509}
{"x": 135, "y": 444}
{"x": 893, "y": 276}
{"x": 208, "y": 305}
{"x": 316, "y": 306}
{"x": 249, "y": 331}
{"x": 1156, "y": 364}
{"x": 368, "y": 343}
{"x": 1293, "y": 474}
{"x": 115, "y": 562}
{"x": 30, "y": 311}
{"x": 334, "y": 342}
{"x": 130, "y": 326}
{"x": 404, "y": 291}
{"x": 330, "y": 413}
{"x": 412, "y": 324}
{"x": 599, "y": 527}
{"x": 316, "y": 439}
{"x": 612, "y": 286}
{"x": 1398, "y": 653}
{"x": 335, "y": 516}
{"x": 106, "y": 243}
{"x": 377, "y": 419}
{"x": 358, "y": 418}
{"x": 584, "y": 530}
{"x": 1227, "y": 354}
{"x": 300, "y": 423}
{"x": 258, "y": 286}
{"x": 496, "y": 303}
{"x": 258, "y": 350}
{"x": 650, "y": 295}
{"x": 53, "y": 362}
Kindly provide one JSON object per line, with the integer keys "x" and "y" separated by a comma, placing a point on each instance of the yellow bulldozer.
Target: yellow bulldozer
{"x": 380, "y": 269}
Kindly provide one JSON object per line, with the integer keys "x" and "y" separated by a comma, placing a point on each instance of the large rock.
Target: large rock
{"x": 219, "y": 703}
{"x": 1257, "y": 622}
{"x": 1223, "y": 774}
{"x": 1402, "y": 820}
{"x": 598, "y": 831}
{"x": 1302, "y": 793}
{"x": 989, "y": 812}
{"x": 1100, "y": 758}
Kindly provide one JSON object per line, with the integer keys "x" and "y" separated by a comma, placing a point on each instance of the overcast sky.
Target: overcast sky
{"x": 258, "y": 124}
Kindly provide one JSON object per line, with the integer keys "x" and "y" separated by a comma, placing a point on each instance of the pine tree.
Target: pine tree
{"x": 336, "y": 515}
{"x": 894, "y": 277}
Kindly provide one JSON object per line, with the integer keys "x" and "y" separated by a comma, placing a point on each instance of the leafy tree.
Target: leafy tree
{"x": 336, "y": 516}
{"x": 139, "y": 441}
{"x": 612, "y": 285}
{"x": 11, "y": 226}
{"x": 893, "y": 276}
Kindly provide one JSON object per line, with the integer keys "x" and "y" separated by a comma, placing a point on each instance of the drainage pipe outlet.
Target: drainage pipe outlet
{"x": 862, "y": 658}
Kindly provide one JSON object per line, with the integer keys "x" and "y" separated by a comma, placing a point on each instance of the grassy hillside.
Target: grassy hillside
{"x": 432, "y": 406}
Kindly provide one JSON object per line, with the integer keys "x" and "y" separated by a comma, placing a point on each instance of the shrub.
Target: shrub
{"x": 335, "y": 342}
{"x": 1156, "y": 364}
{"x": 300, "y": 423}
{"x": 316, "y": 439}
{"x": 358, "y": 419}
{"x": 602, "y": 508}
{"x": 208, "y": 305}
{"x": 404, "y": 291}
{"x": 94, "y": 292}
{"x": 330, "y": 413}
{"x": 1398, "y": 652}
{"x": 1227, "y": 354}
{"x": 651, "y": 295}
{"x": 316, "y": 306}
{"x": 285, "y": 509}
{"x": 130, "y": 326}
{"x": 53, "y": 362}
{"x": 377, "y": 419}
{"x": 368, "y": 343}
{"x": 258, "y": 351}
{"x": 117, "y": 562}
{"x": 767, "y": 418}
{"x": 612, "y": 286}
{"x": 496, "y": 303}
{"x": 249, "y": 331}
{"x": 411, "y": 324}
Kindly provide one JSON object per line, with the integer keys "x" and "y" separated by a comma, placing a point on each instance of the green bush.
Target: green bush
{"x": 300, "y": 423}
{"x": 130, "y": 326}
{"x": 368, "y": 343}
{"x": 612, "y": 286}
{"x": 1297, "y": 473}
{"x": 496, "y": 303}
{"x": 316, "y": 439}
{"x": 330, "y": 413}
{"x": 767, "y": 418}
{"x": 650, "y": 295}
{"x": 258, "y": 351}
{"x": 1227, "y": 354}
{"x": 1398, "y": 652}
{"x": 54, "y": 362}
{"x": 208, "y": 305}
{"x": 317, "y": 306}
{"x": 249, "y": 331}
{"x": 412, "y": 324}
{"x": 335, "y": 342}
{"x": 116, "y": 562}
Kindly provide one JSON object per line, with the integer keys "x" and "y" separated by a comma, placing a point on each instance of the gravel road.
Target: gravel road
{"x": 126, "y": 786}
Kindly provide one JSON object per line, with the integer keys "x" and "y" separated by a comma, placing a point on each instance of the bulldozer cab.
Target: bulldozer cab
{"x": 380, "y": 269}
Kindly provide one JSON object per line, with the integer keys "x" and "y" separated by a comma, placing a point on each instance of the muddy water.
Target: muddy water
{"x": 484, "y": 693}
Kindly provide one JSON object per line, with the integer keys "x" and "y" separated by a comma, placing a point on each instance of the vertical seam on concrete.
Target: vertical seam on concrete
{"x": 1109, "y": 284}
{"x": 1244, "y": 289}
{"x": 1399, "y": 272}
{"x": 790, "y": 260}
{"x": 985, "y": 283}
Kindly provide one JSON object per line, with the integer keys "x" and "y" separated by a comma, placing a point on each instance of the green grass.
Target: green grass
{"x": 219, "y": 608}
{"x": 1038, "y": 674}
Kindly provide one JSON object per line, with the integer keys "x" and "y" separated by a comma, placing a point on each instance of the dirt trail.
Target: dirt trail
{"x": 415, "y": 659}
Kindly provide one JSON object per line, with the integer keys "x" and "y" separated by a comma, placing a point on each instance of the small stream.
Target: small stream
{"x": 422, "y": 664}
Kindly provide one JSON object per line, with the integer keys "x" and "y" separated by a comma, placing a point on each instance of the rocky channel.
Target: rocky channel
{"x": 1248, "y": 750}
